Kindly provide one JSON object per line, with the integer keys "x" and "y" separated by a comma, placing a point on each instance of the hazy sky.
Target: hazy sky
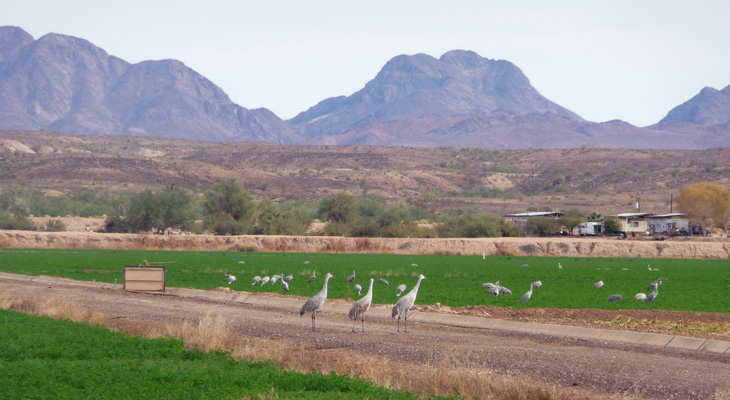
{"x": 632, "y": 60}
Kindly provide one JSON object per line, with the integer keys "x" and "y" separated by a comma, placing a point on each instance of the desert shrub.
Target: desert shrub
{"x": 117, "y": 224}
{"x": 55, "y": 225}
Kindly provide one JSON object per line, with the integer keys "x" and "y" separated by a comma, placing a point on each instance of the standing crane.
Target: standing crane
{"x": 313, "y": 277}
{"x": 231, "y": 278}
{"x": 351, "y": 277}
{"x": 405, "y": 303}
{"x": 361, "y": 307}
{"x": 358, "y": 289}
{"x": 598, "y": 285}
{"x": 315, "y": 302}
{"x": 527, "y": 295}
{"x": 256, "y": 279}
{"x": 400, "y": 289}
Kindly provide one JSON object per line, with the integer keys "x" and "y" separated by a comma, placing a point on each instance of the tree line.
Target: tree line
{"x": 227, "y": 208}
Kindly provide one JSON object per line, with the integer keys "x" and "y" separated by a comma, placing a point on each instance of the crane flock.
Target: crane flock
{"x": 402, "y": 307}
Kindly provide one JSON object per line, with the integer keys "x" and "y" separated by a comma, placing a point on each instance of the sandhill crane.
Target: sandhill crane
{"x": 400, "y": 289}
{"x": 652, "y": 269}
{"x": 313, "y": 277}
{"x": 242, "y": 262}
{"x": 525, "y": 265}
{"x": 288, "y": 278}
{"x": 284, "y": 285}
{"x": 275, "y": 278}
{"x": 231, "y": 278}
{"x": 654, "y": 285}
{"x": 361, "y": 307}
{"x": 306, "y": 263}
{"x": 256, "y": 279}
{"x": 527, "y": 295}
{"x": 265, "y": 280}
{"x": 614, "y": 297}
{"x": 560, "y": 266}
{"x": 640, "y": 296}
{"x": 383, "y": 281}
{"x": 598, "y": 285}
{"x": 358, "y": 289}
{"x": 414, "y": 265}
{"x": 495, "y": 289}
{"x": 405, "y": 303}
{"x": 651, "y": 296}
{"x": 315, "y": 302}
{"x": 351, "y": 277}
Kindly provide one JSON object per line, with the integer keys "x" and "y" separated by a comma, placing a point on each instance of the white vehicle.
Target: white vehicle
{"x": 590, "y": 228}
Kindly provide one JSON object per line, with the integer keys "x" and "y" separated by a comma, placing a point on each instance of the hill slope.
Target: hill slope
{"x": 66, "y": 84}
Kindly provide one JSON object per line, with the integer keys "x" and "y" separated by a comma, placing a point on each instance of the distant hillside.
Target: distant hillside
{"x": 66, "y": 84}
{"x": 409, "y": 87}
{"x": 439, "y": 178}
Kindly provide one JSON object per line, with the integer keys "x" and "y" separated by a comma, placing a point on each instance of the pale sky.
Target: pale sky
{"x": 632, "y": 60}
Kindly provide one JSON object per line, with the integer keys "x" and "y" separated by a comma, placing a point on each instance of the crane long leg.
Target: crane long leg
{"x": 314, "y": 328}
{"x": 398, "y": 323}
{"x": 363, "y": 323}
{"x": 405, "y": 321}
{"x": 354, "y": 321}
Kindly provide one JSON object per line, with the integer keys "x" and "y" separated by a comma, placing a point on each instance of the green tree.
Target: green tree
{"x": 175, "y": 209}
{"x": 228, "y": 203}
{"x": 611, "y": 226}
{"x": 571, "y": 219}
{"x": 338, "y": 208}
{"x": 543, "y": 226}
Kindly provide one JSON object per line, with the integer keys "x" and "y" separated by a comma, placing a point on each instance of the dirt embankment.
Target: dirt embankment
{"x": 553, "y": 247}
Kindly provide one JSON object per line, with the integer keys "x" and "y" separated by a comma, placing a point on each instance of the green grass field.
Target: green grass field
{"x": 690, "y": 285}
{"x": 70, "y": 360}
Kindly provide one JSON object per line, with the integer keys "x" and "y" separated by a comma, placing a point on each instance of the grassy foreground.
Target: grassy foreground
{"x": 70, "y": 360}
{"x": 689, "y": 285}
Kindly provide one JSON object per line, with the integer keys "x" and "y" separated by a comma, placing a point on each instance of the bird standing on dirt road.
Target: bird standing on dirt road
{"x": 400, "y": 289}
{"x": 361, "y": 307}
{"x": 405, "y": 303}
{"x": 315, "y": 302}
{"x": 231, "y": 278}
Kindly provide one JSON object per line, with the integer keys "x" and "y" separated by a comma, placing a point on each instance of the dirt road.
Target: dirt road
{"x": 600, "y": 368}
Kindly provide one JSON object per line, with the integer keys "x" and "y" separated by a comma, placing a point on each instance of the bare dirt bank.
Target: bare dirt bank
{"x": 709, "y": 248}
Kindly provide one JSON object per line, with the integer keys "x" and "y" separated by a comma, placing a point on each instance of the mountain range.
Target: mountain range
{"x": 66, "y": 84}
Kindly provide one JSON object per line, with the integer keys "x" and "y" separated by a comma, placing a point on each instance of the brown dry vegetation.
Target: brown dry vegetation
{"x": 445, "y": 377}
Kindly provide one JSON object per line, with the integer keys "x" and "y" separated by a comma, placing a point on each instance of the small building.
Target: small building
{"x": 669, "y": 224}
{"x": 521, "y": 218}
{"x": 590, "y": 228}
{"x": 634, "y": 224}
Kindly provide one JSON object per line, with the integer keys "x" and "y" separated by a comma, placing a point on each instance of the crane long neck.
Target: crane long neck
{"x": 370, "y": 289}
{"x": 415, "y": 288}
{"x": 324, "y": 288}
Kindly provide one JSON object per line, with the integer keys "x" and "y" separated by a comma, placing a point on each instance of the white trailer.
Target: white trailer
{"x": 590, "y": 228}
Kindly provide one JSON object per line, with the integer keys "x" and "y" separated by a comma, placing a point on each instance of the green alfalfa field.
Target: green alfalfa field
{"x": 452, "y": 280}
